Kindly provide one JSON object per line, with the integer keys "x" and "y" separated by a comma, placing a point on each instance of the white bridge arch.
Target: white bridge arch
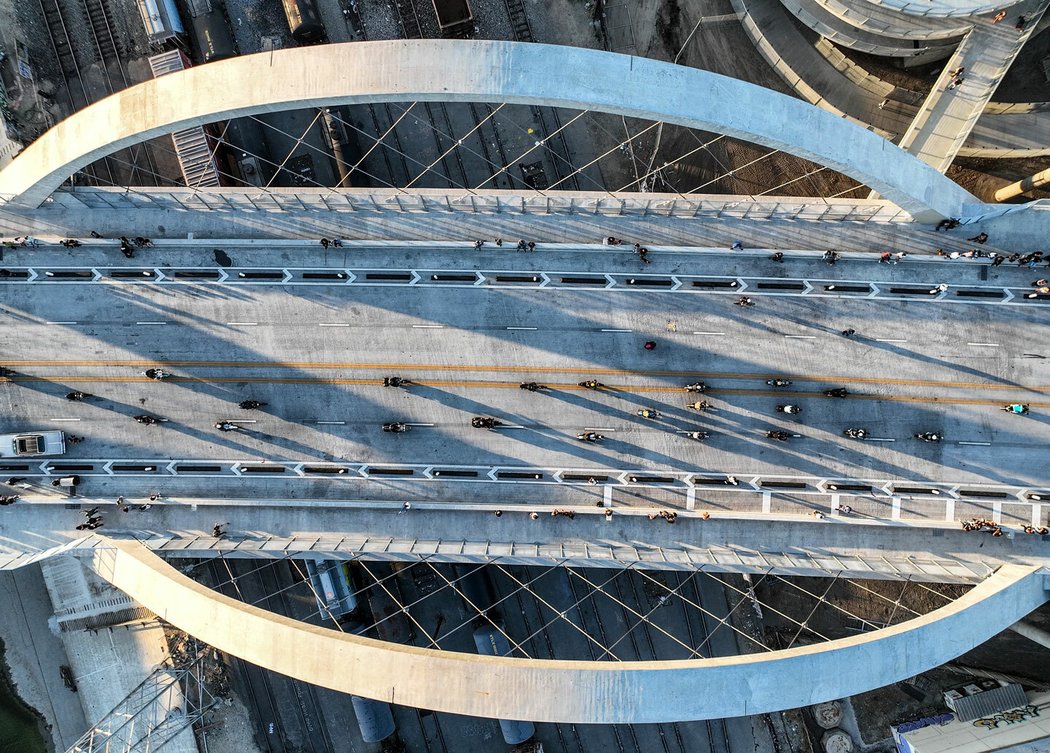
{"x": 477, "y": 71}
{"x": 573, "y": 691}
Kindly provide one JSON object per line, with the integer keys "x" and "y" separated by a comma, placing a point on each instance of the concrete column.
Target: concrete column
{"x": 1023, "y": 186}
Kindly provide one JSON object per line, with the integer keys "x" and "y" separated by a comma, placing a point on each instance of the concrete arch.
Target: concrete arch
{"x": 478, "y": 71}
{"x": 573, "y": 691}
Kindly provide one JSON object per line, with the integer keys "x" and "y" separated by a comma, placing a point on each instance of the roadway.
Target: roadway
{"x": 317, "y": 353}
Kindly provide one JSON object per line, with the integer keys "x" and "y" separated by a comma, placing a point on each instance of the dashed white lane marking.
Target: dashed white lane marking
{"x": 711, "y": 334}
{"x": 800, "y": 337}
{"x": 333, "y": 324}
{"x": 895, "y": 510}
{"x": 70, "y": 322}
{"x": 524, "y": 329}
{"x": 428, "y": 326}
{"x": 151, "y": 324}
{"x": 949, "y": 509}
{"x": 617, "y": 330}
{"x": 64, "y": 419}
{"x": 888, "y": 340}
{"x": 242, "y": 324}
{"x": 330, "y": 423}
{"x": 978, "y": 444}
{"x": 985, "y": 345}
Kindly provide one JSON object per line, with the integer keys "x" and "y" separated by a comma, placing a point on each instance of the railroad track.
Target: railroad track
{"x": 717, "y": 730}
{"x": 519, "y": 23}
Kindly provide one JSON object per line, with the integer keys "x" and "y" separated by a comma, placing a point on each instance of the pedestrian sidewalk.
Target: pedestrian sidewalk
{"x": 948, "y": 116}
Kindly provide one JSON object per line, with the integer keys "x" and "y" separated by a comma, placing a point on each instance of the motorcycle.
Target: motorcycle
{"x": 792, "y": 409}
{"x": 699, "y": 436}
{"x": 1018, "y": 409}
{"x": 611, "y": 241}
{"x": 224, "y": 426}
{"x": 837, "y": 392}
{"x": 778, "y": 382}
{"x": 532, "y": 386}
{"x": 856, "y": 433}
{"x": 156, "y": 374}
{"x": 648, "y": 413}
{"x": 395, "y": 382}
{"x": 250, "y": 404}
{"x": 145, "y": 419}
{"x": 590, "y": 384}
{"x": 929, "y": 436}
{"x": 699, "y": 405}
{"x": 395, "y": 427}
{"x": 483, "y": 422}
{"x": 141, "y": 242}
{"x": 744, "y": 301}
{"x": 696, "y": 387}
{"x": 780, "y": 436}
{"x": 77, "y": 396}
{"x": 70, "y": 243}
{"x": 590, "y": 436}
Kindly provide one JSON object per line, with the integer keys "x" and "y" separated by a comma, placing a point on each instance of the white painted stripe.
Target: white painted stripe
{"x": 1037, "y": 515}
{"x": 895, "y": 512}
{"x": 70, "y": 322}
{"x": 767, "y": 501}
{"x": 333, "y": 324}
{"x": 979, "y": 444}
{"x": 607, "y": 495}
{"x": 985, "y": 345}
{"x": 330, "y": 423}
{"x": 242, "y": 324}
{"x": 428, "y": 326}
{"x": 949, "y": 509}
{"x": 879, "y": 439}
{"x": 690, "y": 498}
{"x": 64, "y": 419}
{"x": 151, "y": 324}
{"x": 888, "y": 340}
{"x": 800, "y": 337}
{"x": 419, "y": 424}
{"x": 712, "y": 334}
{"x": 835, "y": 503}
{"x": 997, "y": 512}
{"x": 522, "y": 328}
{"x": 617, "y": 330}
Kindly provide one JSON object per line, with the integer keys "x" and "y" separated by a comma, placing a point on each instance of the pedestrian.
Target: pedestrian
{"x": 336, "y": 243}
{"x": 499, "y": 244}
{"x": 1041, "y": 282}
{"x": 154, "y": 497}
{"x": 939, "y": 289}
{"x": 93, "y": 526}
{"x": 325, "y": 243}
{"x": 957, "y": 72}
{"x": 498, "y": 513}
{"x": 534, "y": 516}
{"x": 999, "y": 259}
{"x": 979, "y": 238}
{"x": 818, "y": 515}
{"x": 1013, "y": 257}
{"x": 845, "y": 509}
{"x": 521, "y": 244}
{"x": 96, "y": 234}
{"x": 737, "y": 246}
{"x": 849, "y": 332}
{"x": 478, "y": 245}
{"x": 955, "y": 82}
{"x": 731, "y": 480}
{"x": 899, "y": 256}
{"x": 1021, "y": 21}
{"x": 999, "y": 16}
{"x": 532, "y": 245}
{"x": 885, "y": 257}
{"x": 705, "y": 515}
{"x": 91, "y": 513}
{"x": 217, "y": 531}
{"x": 650, "y": 344}
{"x": 883, "y": 103}
{"x": 778, "y": 257}
{"x": 145, "y": 507}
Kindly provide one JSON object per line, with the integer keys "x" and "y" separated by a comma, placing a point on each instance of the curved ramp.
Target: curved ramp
{"x": 573, "y": 691}
{"x": 476, "y": 71}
